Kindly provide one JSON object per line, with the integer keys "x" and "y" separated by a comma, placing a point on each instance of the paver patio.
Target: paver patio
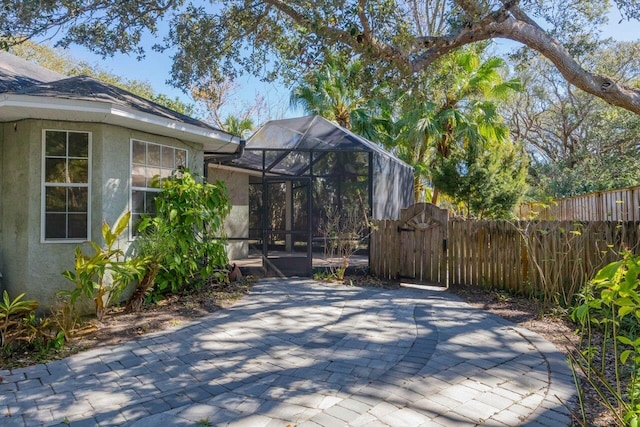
{"x": 300, "y": 352}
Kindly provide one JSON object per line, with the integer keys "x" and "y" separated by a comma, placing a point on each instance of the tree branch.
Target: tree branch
{"x": 502, "y": 24}
{"x": 358, "y": 42}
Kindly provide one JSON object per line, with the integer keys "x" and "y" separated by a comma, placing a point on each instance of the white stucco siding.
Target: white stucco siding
{"x": 15, "y": 208}
{"x": 1, "y": 199}
{"x": 35, "y": 267}
{"x": 236, "y": 224}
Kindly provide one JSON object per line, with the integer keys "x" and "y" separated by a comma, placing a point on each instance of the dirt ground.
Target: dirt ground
{"x": 119, "y": 326}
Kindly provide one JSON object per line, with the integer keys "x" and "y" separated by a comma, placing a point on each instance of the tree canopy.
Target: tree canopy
{"x": 577, "y": 143}
{"x": 269, "y": 38}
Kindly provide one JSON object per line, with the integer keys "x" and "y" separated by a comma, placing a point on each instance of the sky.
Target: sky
{"x": 155, "y": 69}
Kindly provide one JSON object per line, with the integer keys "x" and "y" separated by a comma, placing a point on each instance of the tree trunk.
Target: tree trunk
{"x": 100, "y": 309}
{"x": 434, "y": 198}
{"x": 135, "y": 302}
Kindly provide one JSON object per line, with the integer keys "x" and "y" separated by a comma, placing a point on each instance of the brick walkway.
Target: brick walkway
{"x": 299, "y": 352}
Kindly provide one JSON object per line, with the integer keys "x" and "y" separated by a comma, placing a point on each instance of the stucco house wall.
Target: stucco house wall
{"x": 30, "y": 265}
{"x": 34, "y": 99}
{"x": 2, "y": 156}
{"x": 236, "y": 225}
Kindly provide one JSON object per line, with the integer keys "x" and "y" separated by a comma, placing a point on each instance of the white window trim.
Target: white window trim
{"x": 43, "y": 187}
{"x": 148, "y": 189}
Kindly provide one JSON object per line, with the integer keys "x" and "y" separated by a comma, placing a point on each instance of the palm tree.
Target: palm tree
{"x": 332, "y": 91}
{"x": 238, "y": 125}
{"x": 445, "y": 116}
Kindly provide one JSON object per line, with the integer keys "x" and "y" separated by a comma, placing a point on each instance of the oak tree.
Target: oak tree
{"x": 272, "y": 38}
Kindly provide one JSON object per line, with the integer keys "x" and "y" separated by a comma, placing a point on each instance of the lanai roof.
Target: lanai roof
{"x": 287, "y": 143}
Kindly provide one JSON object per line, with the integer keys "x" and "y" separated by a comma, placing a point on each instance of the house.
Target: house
{"x": 75, "y": 152}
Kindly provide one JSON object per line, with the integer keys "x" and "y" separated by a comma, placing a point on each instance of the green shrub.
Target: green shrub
{"x": 188, "y": 222}
{"x": 610, "y": 303}
{"x": 12, "y": 319}
{"x": 103, "y": 275}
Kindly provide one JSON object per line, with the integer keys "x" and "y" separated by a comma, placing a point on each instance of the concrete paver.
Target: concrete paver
{"x": 301, "y": 352}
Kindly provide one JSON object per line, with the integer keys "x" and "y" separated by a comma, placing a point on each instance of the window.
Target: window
{"x": 66, "y": 167}
{"x": 150, "y": 164}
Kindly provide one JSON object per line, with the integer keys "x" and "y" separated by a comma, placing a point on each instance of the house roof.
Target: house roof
{"x": 28, "y": 90}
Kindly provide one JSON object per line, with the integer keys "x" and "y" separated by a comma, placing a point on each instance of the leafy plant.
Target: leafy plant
{"x": 103, "y": 275}
{"x": 189, "y": 220}
{"x": 609, "y": 302}
{"x": 12, "y": 313}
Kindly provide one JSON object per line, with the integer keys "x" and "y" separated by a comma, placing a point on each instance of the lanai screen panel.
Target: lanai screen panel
{"x": 392, "y": 186}
{"x": 346, "y": 169}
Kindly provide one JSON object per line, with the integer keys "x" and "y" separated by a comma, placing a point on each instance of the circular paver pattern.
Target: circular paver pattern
{"x": 299, "y": 352}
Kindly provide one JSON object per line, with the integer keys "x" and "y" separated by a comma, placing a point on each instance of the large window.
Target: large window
{"x": 150, "y": 164}
{"x": 66, "y": 175}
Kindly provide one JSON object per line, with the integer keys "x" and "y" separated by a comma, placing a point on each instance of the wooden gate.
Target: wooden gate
{"x": 423, "y": 243}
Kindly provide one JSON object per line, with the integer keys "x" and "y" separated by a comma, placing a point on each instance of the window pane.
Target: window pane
{"x": 181, "y": 158}
{"x": 138, "y": 176}
{"x": 153, "y": 155}
{"x": 55, "y": 226}
{"x": 78, "y": 144}
{"x": 135, "y": 221}
{"x": 77, "y": 226}
{"x": 55, "y": 170}
{"x": 137, "y": 201}
{"x": 66, "y": 206}
{"x": 55, "y": 143}
{"x": 150, "y": 205}
{"x": 324, "y": 163}
{"x": 55, "y": 199}
{"x": 167, "y": 157}
{"x": 139, "y": 152}
{"x": 153, "y": 177}
{"x": 79, "y": 171}
{"x": 78, "y": 199}
{"x": 165, "y": 173}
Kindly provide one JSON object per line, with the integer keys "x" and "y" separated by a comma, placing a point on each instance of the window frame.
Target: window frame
{"x": 133, "y": 188}
{"x": 44, "y": 185}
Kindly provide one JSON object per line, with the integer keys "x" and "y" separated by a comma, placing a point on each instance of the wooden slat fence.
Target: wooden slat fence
{"x": 554, "y": 257}
{"x": 613, "y": 205}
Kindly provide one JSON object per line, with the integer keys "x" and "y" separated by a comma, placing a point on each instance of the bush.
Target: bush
{"x": 611, "y": 304}
{"x": 12, "y": 319}
{"x": 103, "y": 275}
{"x": 189, "y": 243}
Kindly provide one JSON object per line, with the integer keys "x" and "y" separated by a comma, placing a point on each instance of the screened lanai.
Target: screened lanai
{"x": 311, "y": 177}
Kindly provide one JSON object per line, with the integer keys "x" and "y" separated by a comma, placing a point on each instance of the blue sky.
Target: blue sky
{"x": 155, "y": 69}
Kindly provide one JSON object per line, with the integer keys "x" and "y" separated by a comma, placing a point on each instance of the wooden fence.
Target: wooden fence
{"x": 555, "y": 257}
{"x": 613, "y": 205}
